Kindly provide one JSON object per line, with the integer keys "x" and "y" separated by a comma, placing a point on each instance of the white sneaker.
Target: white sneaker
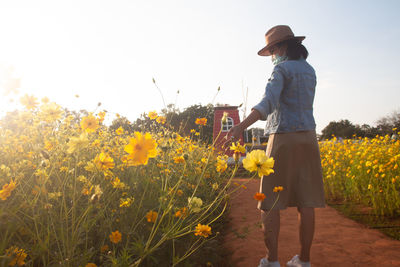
{"x": 296, "y": 262}
{"x": 265, "y": 263}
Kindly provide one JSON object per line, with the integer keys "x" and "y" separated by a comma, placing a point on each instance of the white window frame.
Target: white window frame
{"x": 225, "y": 127}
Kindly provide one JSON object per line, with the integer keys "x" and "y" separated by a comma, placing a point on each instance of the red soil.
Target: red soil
{"x": 338, "y": 241}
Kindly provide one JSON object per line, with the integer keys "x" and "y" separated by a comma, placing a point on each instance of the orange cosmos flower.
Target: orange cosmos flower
{"x": 104, "y": 249}
{"x": 5, "y": 192}
{"x": 17, "y": 256}
{"x": 201, "y": 121}
{"x": 115, "y": 237}
{"x": 259, "y": 196}
{"x": 151, "y": 216}
{"x": 203, "y": 230}
{"x": 183, "y": 212}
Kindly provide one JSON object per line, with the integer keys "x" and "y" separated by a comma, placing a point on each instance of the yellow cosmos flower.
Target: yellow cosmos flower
{"x": 116, "y": 183}
{"x": 125, "y": 202}
{"x": 259, "y": 196}
{"x": 97, "y": 192}
{"x": 151, "y": 216}
{"x": 119, "y": 131}
{"x": 237, "y": 148}
{"x": 201, "y": 121}
{"x": 51, "y": 112}
{"x": 153, "y": 115}
{"x": 161, "y": 119}
{"x": 104, "y": 161}
{"x": 90, "y": 264}
{"x": 48, "y": 145}
{"x": 5, "y": 192}
{"x": 221, "y": 164}
{"x": 115, "y": 237}
{"x": 89, "y": 124}
{"x": 17, "y": 256}
{"x": 256, "y": 160}
{"x": 101, "y": 115}
{"x": 29, "y": 101}
{"x": 87, "y": 190}
{"x": 202, "y": 230}
{"x": 140, "y": 149}
{"x": 278, "y": 189}
{"x": 76, "y": 143}
{"x": 179, "y": 159}
{"x": 214, "y": 186}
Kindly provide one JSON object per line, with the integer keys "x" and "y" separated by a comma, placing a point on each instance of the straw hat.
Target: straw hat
{"x": 276, "y": 35}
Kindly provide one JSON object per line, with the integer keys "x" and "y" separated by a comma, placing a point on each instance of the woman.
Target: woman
{"x": 287, "y": 107}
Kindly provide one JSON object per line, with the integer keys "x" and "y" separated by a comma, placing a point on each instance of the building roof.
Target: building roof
{"x": 225, "y": 107}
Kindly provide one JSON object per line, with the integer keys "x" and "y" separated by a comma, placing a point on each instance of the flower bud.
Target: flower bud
{"x": 236, "y": 156}
{"x": 224, "y": 118}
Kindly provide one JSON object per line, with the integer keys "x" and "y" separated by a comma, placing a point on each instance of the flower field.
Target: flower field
{"x": 364, "y": 171}
{"x": 74, "y": 192}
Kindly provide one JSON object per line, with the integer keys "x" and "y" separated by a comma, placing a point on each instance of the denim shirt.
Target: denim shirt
{"x": 287, "y": 104}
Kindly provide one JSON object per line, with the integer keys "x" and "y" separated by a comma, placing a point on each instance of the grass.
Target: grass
{"x": 390, "y": 226}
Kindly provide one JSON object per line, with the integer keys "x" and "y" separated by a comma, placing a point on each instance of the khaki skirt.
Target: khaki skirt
{"x": 297, "y": 169}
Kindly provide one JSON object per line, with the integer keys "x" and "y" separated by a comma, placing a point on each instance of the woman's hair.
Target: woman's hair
{"x": 295, "y": 50}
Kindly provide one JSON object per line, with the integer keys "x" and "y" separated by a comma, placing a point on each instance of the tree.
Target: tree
{"x": 188, "y": 120}
{"x": 386, "y": 124}
{"x": 122, "y": 122}
{"x": 181, "y": 122}
{"x": 342, "y": 128}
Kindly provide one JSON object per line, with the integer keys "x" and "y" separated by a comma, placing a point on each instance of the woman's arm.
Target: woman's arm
{"x": 236, "y": 131}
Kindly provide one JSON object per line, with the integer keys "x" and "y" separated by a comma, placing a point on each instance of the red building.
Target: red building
{"x": 220, "y": 129}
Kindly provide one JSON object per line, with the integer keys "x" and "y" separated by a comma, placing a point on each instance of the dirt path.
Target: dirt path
{"x": 338, "y": 241}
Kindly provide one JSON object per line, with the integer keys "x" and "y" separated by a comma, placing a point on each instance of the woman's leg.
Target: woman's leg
{"x": 306, "y": 231}
{"x": 270, "y": 227}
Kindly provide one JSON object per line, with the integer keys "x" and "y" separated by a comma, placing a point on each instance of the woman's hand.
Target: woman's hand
{"x": 236, "y": 131}
{"x": 233, "y": 135}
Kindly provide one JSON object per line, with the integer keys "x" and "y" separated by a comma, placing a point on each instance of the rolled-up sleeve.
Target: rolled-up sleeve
{"x": 272, "y": 93}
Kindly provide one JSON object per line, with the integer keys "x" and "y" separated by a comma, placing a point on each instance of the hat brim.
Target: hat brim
{"x": 265, "y": 51}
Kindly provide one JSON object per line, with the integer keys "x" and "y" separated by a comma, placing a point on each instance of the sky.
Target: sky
{"x": 109, "y": 52}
